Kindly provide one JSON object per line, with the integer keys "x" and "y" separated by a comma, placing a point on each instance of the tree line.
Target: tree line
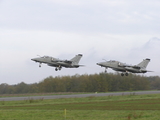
{"x": 102, "y": 82}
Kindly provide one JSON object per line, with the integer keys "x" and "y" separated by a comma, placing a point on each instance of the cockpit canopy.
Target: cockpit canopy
{"x": 45, "y": 57}
{"x": 112, "y": 61}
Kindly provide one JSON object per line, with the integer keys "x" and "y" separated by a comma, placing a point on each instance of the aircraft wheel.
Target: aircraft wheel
{"x": 60, "y": 68}
{"x": 122, "y": 74}
{"x": 39, "y": 65}
{"x": 56, "y": 69}
{"x": 126, "y": 74}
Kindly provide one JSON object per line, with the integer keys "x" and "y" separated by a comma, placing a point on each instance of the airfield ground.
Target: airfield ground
{"x": 124, "y": 107}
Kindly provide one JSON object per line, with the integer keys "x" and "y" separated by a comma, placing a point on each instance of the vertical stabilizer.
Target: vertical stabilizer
{"x": 76, "y": 59}
{"x": 144, "y": 63}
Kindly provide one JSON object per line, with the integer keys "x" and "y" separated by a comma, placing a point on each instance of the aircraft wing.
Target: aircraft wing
{"x": 58, "y": 60}
{"x": 135, "y": 66}
{"x": 79, "y": 65}
{"x": 64, "y": 61}
{"x": 53, "y": 65}
{"x": 67, "y": 61}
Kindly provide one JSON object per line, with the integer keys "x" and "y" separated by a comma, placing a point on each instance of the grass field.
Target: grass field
{"x": 128, "y": 107}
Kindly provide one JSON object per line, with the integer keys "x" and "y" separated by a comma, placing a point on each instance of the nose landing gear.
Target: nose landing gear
{"x": 105, "y": 70}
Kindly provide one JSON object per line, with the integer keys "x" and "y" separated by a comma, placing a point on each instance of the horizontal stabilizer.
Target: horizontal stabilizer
{"x": 79, "y": 65}
{"x": 149, "y": 71}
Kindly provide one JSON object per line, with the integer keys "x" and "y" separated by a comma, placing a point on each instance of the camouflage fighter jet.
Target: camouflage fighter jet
{"x": 57, "y": 63}
{"x": 124, "y": 68}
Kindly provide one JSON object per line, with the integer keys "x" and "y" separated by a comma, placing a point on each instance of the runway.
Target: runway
{"x": 78, "y": 95}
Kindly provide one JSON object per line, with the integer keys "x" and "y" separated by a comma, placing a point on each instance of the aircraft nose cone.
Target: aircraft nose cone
{"x": 33, "y": 59}
{"x": 99, "y": 64}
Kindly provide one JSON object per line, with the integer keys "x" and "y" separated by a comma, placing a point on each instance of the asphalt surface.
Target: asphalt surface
{"x": 78, "y": 95}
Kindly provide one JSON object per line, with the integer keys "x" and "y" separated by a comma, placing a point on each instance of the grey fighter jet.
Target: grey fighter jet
{"x": 57, "y": 63}
{"x": 124, "y": 68}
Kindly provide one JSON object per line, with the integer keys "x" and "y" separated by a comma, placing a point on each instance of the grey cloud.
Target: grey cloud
{"x": 95, "y": 17}
{"x": 153, "y": 43}
{"x": 150, "y": 48}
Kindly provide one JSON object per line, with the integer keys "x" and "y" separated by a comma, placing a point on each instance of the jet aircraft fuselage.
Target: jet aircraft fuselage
{"x": 124, "y": 68}
{"x": 54, "y": 62}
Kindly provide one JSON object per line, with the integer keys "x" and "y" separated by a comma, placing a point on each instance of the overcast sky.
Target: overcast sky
{"x": 123, "y": 30}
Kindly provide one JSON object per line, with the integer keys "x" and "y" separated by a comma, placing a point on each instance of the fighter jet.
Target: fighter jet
{"x": 57, "y": 63}
{"x": 124, "y": 68}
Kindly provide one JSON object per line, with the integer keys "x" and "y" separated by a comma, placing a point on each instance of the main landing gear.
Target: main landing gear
{"x": 58, "y": 68}
{"x": 39, "y": 64}
{"x": 126, "y": 74}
